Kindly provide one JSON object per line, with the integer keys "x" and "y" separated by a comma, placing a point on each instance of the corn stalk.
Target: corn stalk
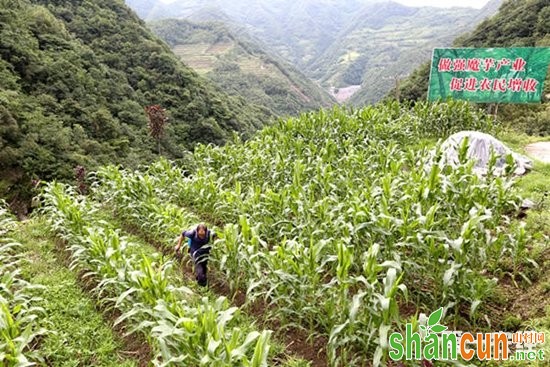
{"x": 182, "y": 328}
{"x": 18, "y": 314}
{"x": 335, "y": 210}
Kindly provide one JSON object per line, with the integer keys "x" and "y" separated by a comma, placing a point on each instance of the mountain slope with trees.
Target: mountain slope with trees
{"x": 296, "y": 30}
{"x": 396, "y": 42}
{"x": 241, "y": 66}
{"x": 362, "y": 44}
{"x": 75, "y": 77}
{"x": 519, "y": 23}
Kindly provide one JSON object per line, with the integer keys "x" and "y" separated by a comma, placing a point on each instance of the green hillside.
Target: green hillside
{"x": 341, "y": 222}
{"x": 517, "y": 24}
{"x": 74, "y": 80}
{"x": 389, "y": 42}
{"x": 349, "y": 46}
{"x": 241, "y": 67}
{"x": 296, "y": 30}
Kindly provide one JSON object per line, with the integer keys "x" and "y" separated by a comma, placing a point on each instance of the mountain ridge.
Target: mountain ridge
{"x": 418, "y": 32}
{"x": 241, "y": 65}
{"x": 340, "y": 44}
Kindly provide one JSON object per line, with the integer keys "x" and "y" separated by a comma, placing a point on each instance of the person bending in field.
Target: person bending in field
{"x": 199, "y": 240}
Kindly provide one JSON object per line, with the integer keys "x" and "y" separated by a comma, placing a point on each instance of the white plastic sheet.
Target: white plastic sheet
{"x": 479, "y": 149}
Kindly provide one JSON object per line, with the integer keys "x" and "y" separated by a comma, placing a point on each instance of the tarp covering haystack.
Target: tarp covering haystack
{"x": 480, "y": 146}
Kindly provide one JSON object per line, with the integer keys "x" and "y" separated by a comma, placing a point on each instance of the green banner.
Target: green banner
{"x": 496, "y": 75}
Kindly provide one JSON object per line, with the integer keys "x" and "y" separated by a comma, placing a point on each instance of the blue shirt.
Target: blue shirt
{"x": 195, "y": 242}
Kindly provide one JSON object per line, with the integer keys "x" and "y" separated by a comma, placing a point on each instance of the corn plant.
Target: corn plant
{"x": 339, "y": 210}
{"x": 18, "y": 314}
{"x": 6, "y": 219}
{"x": 182, "y": 328}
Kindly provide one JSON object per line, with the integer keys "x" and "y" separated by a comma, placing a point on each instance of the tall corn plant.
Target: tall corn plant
{"x": 181, "y": 328}
{"x": 336, "y": 200}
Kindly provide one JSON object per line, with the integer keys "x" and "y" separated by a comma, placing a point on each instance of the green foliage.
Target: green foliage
{"x": 181, "y": 327}
{"x": 18, "y": 305}
{"x": 536, "y": 186}
{"x": 511, "y": 323}
{"x": 75, "y": 79}
{"x": 413, "y": 88}
{"x": 517, "y": 24}
{"x": 336, "y": 223}
{"x": 237, "y": 63}
{"x": 79, "y": 333}
{"x": 533, "y": 120}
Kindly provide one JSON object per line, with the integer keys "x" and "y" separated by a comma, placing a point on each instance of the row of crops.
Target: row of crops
{"x": 18, "y": 310}
{"x": 343, "y": 222}
{"x": 182, "y": 327}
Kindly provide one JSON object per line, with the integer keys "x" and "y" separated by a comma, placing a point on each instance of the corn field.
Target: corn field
{"x": 341, "y": 220}
{"x": 18, "y": 310}
{"x": 182, "y": 327}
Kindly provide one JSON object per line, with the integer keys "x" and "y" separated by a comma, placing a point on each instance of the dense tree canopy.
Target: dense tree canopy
{"x": 75, "y": 77}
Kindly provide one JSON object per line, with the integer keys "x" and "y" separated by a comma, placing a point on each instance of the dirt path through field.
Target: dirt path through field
{"x": 296, "y": 342}
{"x": 540, "y": 151}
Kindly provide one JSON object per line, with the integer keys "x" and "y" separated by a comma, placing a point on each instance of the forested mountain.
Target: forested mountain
{"x": 519, "y": 23}
{"x": 346, "y": 46}
{"x": 75, "y": 77}
{"x": 388, "y": 42}
{"x": 241, "y": 66}
{"x": 296, "y": 30}
{"x": 385, "y": 41}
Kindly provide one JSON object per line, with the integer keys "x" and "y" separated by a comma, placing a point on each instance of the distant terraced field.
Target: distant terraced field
{"x": 202, "y": 56}
{"x": 242, "y": 67}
